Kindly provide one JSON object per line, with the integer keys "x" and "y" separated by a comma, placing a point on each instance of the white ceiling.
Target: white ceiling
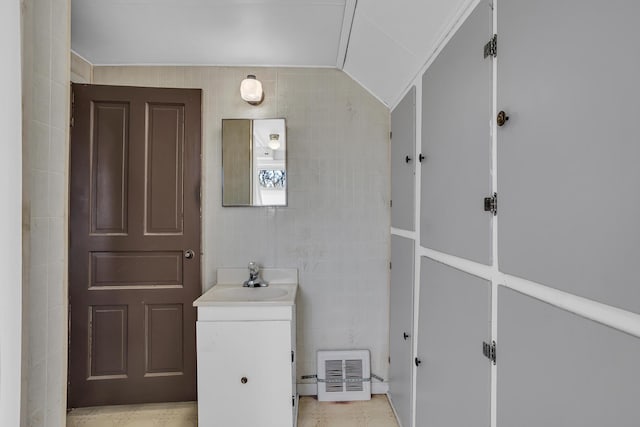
{"x": 388, "y": 40}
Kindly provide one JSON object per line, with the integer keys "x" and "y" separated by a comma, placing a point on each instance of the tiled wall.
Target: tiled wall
{"x": 336, "y": 227}
{"x": 45, "y": 124}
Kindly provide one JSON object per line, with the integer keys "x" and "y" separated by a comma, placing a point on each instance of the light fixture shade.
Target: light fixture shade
{"x": 274, "y": 141}
{"x": 251, "y": 90}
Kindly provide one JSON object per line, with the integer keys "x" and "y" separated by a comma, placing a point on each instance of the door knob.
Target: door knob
{"x": 244, "y": 380}
{"x": 502, "y": 118}
{"x": 189, "y": 254}
{"x": 405, "y": 335}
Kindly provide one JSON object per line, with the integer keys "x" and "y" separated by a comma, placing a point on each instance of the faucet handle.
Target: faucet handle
{"x": 254, "y": 269}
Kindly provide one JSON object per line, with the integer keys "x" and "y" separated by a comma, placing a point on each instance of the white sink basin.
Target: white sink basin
{"x": 226, "y": 295}
{"x": 250, "y": 294}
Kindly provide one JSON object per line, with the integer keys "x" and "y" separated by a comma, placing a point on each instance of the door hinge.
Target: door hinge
{"x": 390, "y": 135}
{"x": 293, "y": 357}
{"x": 293, "y": 401}
{"x": 390, "y": 203}
{"x": 72, "y": 108}
{"x": 489, "y": 350}
{"x": 491, "y": 204}
{"x": 390, "y": 267}
{"x": 491, "y": 48}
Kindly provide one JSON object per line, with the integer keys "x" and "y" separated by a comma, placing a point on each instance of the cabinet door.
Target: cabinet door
{"x": 401, "y": 326}
{"x": 230, "y": 353}
{"x": 454, "y": 377}
{"x": 556, "y": 369}
{"x": 456, "y": 143}
{"x": 568, "y": 157}
{"x": 403, "y": 170}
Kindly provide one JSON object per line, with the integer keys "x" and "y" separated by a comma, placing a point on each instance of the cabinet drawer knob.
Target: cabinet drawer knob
{"x": 244, "y": 380}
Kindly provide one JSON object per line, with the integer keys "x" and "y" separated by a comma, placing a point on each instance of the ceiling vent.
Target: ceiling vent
{"x": 344, "y": 375}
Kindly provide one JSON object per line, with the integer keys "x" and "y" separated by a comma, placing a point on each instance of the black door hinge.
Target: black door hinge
{"x": 293, "y": 401}
{"x": 293, "y": 357}
{"x": 491, "y": 204}
{"x": 489, "y": 350}
{"x": 72, "y": 108}
{"x": 491, "y": 48}
{"x": 390, "y": 135}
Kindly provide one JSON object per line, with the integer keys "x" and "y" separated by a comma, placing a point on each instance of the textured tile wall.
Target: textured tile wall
{"x": 46, "y": 39}
{"x": 336, "y": 227}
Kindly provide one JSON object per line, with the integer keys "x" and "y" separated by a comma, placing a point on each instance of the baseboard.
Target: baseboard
{"x": 312, "y": 389}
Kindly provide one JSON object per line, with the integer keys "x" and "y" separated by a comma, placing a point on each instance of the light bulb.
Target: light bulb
{"x": 274, "y": 141}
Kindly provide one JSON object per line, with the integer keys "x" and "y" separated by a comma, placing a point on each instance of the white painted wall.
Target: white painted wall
{"x": 11, "y": 223}
{"x": 335, "y": 230}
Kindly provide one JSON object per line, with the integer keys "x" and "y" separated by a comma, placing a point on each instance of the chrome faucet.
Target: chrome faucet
{"x": 255, "y": 281}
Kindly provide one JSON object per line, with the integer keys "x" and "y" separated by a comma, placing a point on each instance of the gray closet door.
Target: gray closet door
{"x": 456, "y": 143}
{"x": 454, "y": 377}
{"x": 403, "y": 162}
{"x": 568, "y": 157}
{"x": 556, "y": 369}
{"x": 401, "y": 327}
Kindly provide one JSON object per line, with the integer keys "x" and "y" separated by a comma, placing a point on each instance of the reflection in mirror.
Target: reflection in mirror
{"x": 254, "y": 168}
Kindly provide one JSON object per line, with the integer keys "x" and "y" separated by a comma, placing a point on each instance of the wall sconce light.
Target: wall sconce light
{"x": 251, "y": 90}
{"x": 274, "y": 141}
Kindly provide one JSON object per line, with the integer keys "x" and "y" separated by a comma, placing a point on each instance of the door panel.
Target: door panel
{"x": 401, "y": 327}
{"x": 403, "y": 145}
{"x": 557, "y": 369}
{"x": 163, "y": 183}
{"x": 454, "y": 377}
{"x": 456, "y": 143}
{"x": 135, "y": 210}
{"x": 109, "y": 160}
{"x": 108, "y": 341}
{"x": 568, "y": 157}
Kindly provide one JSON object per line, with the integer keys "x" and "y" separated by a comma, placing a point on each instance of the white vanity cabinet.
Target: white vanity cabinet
{"x": 246, "y": 358}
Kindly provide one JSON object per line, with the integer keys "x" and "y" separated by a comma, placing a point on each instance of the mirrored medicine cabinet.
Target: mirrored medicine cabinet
{"x": 254, "y": 162}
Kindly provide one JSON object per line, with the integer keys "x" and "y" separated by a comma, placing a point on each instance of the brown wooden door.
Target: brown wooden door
{"x": 134, "y": 217}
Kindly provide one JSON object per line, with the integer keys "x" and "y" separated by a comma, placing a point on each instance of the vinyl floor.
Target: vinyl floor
{"x": 376, "y": 412}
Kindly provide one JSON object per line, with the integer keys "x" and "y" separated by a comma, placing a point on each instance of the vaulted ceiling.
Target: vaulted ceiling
{"x": 382, "y": 44}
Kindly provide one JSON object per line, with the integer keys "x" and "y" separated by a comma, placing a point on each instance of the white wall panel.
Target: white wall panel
{"x": 377, "y": 61}
{"x": 298, "y": 33}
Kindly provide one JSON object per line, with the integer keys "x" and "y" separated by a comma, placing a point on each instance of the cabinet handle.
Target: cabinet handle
{"x": 502, "y": 118}
{"x": 405, "y": 335}
{"x": 244, "y": 380}
{"x": 407, "y": 159}
{"x": 418, "y": 361}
